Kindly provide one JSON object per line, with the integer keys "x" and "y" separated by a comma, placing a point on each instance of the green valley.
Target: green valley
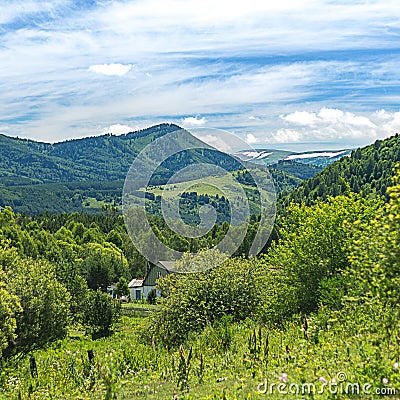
{"x": 315, "y": 315}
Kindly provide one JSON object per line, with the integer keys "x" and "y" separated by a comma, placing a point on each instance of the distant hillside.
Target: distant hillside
{"x": 297, "y": 169}
{"x": 100, "y": 158}
{"x": 273, "y": 156}
{"x": 367, "y": 170}
{"x": 86, "y": 174}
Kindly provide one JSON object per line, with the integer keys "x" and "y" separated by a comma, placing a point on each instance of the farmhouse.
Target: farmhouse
{"x": 140, "y": 288}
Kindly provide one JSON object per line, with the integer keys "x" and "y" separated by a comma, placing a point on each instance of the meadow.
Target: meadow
{"x": 226, "y": 361}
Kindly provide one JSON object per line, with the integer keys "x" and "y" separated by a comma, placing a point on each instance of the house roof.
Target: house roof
{"x": 168, "y": 265}
{"x": 138, "y": 282}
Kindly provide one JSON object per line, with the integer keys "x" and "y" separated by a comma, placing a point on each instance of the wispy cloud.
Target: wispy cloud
{"x": 251, "y": 139}
{"x": 111, "y": 69}
{"x": 332, "y": 126}
{"x": 193, "y": 121}
{"x": 278, "y": 71}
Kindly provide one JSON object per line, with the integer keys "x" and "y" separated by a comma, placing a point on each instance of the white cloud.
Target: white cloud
{"x": 213, "y": 58}
{"x": 330, "y": 128}
{"x": 301, "y": 118}
{"x": 382, "y": 115}
{"x": 251, "y": 139}
{"x": 111, "y": 69}
{"x": 119, "y": 129}
{"x": 285, "y": 136}
{"x": 194, "y": 121}
{"x": 393, "y": 125}
{"x": 214, "y": 141}
{"x": 358, "y": 121}
{"x": 330, "y": 114}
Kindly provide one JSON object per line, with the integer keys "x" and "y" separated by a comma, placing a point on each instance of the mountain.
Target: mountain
{"x": 367, "y": 170}
{"x": 86, "y": 174}
{"x": 100, "y": 158}
{"x": 297, "y": 169}
{"x": 272, "y": 156}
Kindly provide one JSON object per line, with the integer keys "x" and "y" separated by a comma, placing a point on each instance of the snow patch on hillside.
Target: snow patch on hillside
{"x": 313, "y": 155}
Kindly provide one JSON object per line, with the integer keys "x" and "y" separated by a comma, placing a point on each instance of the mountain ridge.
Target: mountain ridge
{"x": 368, "y": 170}
{"x": 84, "y": 174}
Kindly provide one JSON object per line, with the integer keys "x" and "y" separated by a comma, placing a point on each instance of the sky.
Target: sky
{"x": 288, "y": 74}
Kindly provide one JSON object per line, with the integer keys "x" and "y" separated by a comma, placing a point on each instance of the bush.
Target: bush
{"x": 374, "y": 276}
{"x": 193, "y": 301}
{"x": 314, "y": 248}
{"x": 45, "y": 312}
{"x": 9, "y": 307}
{"x": 152, "y": 296}
{"x": 100, "y": 313}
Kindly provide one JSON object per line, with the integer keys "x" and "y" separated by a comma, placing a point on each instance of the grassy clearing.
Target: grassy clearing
{"x": 227, "y": 362}
{"x": 209, "y": 186}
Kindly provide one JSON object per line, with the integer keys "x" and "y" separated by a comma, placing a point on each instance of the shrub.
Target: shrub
{"x": 45, "y": 312}
{"x": 100, "y": 313}
{"x": 193, "y": 301}
{"x": 152, "y": 296}
{"x": 9, "y": 307}
{"x": 314, "y": 247}
{"x": 374, "y": 276}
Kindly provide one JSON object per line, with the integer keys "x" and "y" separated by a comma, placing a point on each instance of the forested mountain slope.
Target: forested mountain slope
{"x": 368, "y": 170}
{"x": 82, "y": 175}
{"x": 100, "y": 158}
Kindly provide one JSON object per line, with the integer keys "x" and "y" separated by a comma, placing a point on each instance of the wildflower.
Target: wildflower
{"x": 322, "y": 379}
{"x": 385, "y": 381}
{"x": 333, "y": 380}
{"x": 68, "y": 352}
{"x": 396, "y": 366}
{"x": 283, "y": 377}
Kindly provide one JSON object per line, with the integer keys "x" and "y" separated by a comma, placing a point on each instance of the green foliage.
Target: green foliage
{"x": 152, "y": 296}
{"x": 77, "y": 287}
{"x": 44, "y": 314}
{"x": 314, "y": 247}
{"x": 9, "y": 307}
{"x": 124, "y": 368}
{"x": 194, "y": 301}
{"x": 299, "y": 170}
{"x": 102, "y": 265}
{"x": 122, "y": 287}
{"x": 336, "y": 263}
{"x": 375, "y": 262}
{"x": 368, "y": 171}
{"x": 100, "y": 313}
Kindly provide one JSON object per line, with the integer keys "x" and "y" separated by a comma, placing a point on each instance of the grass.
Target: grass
{"x": 210, "y": 185}
{"x": 137, "y": 309}
{"x": 233, "y": 363}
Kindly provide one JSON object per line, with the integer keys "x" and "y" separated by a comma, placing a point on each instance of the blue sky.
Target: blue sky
{"x": 312, "y": 74}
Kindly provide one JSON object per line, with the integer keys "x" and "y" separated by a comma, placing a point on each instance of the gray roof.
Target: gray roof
{"x": 168, "y": 265}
